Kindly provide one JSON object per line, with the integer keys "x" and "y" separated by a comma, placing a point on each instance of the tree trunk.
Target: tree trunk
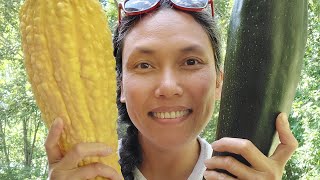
{"x": 36, "y": 128}
{"x": 4, "y": 143}
{"x": 30, "y": 130}
{"x": 26, "y": 143}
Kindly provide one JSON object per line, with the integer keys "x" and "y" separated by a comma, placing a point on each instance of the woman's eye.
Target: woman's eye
{"x": 191, "y": 62}
{"x": 143, "y": 66}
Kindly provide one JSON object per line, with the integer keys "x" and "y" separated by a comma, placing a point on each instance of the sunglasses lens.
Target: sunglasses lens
{"x": 191, "y": 3}
{"x": 131, "y": 6}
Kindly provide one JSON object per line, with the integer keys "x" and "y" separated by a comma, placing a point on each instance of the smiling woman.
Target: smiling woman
{"x": 169, "y": 81}
{"x": 168, "y": 76}
{"x": 178, "y": 77}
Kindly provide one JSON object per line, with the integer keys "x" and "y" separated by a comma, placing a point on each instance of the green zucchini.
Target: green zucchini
{"x": 264, "y": 57}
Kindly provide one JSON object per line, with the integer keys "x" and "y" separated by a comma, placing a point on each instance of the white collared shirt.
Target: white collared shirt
{"x": 198, "y": 170}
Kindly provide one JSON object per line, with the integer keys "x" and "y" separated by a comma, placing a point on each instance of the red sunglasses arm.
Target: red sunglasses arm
{"x": 119, "y": 12}
{"x": 212, "y": 7}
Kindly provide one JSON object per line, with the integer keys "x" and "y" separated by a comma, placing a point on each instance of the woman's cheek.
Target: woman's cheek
{"x": 137, "y": 90}
{"x": 203, "y": 83}
{"x": 203, "y": 90}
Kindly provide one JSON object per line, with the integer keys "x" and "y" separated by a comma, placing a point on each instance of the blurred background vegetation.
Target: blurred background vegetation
{"x": 22, "y": 133}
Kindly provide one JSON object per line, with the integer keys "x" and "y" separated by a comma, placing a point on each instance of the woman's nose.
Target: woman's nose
{"x": 168, "y": 85}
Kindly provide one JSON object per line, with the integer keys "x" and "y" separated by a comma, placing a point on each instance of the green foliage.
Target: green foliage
{"x": 22, "y": 133}
{"x": 111, "y": 9}
{"x": 209, "y": 132}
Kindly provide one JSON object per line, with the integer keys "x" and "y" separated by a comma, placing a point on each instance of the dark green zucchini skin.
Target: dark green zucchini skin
{"x": 264, "y": 57}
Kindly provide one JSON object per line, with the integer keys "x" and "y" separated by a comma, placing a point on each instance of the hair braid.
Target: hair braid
{"x": 130, "y": 151}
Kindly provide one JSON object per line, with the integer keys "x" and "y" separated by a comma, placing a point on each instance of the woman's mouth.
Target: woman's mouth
{"x": 170, "y": 117}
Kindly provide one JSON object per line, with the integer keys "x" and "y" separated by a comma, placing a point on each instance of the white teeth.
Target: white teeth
{"x": 166, "y": 115}
{"x": 170, "y": 115}
{"x": 161, "y": 115}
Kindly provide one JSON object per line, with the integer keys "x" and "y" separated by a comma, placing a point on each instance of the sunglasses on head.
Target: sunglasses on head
{"x": 137, "y": 7}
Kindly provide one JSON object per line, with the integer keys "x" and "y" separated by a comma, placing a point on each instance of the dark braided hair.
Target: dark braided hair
{"x": 130, "y": 151}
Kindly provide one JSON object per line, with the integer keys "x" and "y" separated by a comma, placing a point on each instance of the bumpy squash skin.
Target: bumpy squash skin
{"x": 68, "y": 58}
{"x": 264, "y": 56}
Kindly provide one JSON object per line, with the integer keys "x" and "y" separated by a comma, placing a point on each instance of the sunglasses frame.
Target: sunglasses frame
{"x": 156, "y": 5}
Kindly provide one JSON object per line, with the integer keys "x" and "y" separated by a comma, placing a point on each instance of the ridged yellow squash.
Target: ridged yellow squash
{"x": 68, "y": 58}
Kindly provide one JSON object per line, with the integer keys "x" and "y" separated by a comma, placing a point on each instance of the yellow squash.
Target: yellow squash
{"x": 68, "y": 57}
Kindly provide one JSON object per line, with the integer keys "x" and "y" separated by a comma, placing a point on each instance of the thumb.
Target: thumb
{"x": 52, "y": 147}
{"x": 288, "y": 143}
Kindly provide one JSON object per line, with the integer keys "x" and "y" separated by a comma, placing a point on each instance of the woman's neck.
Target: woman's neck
{"x": 177, "y": 163}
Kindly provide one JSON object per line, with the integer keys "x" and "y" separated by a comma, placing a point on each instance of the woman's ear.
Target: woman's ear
{"x": 122, "y": 98}
{"x": 219, "y": 83}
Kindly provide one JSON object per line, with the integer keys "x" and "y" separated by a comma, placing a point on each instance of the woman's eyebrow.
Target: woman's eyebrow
{"x": 149, "y": 50}
{"x": 193, "y": 48}
{"x": 143, "y": 50}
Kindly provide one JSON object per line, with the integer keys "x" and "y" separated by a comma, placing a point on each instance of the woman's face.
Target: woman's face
{"x": 169, "y": 78}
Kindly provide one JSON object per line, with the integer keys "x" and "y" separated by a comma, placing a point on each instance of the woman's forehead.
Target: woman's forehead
{"x": 167, "y": 24}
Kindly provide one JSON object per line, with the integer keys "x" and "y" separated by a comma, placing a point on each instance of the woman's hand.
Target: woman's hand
{"x": 269, "y": 168}
{"x": 66, "y": 167}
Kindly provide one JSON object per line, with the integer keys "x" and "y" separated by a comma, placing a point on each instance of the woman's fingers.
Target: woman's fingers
{"x": 82, "y": 150}
{"x": 66, "y": 166}
{"x": 243, "y": 147}
{"x": 288, "y": 142}
{"x": 212, "y": 175}
{"x": 96, "y": 169}
{"x": 89, "y": 171}
{"x": 262, "y": 166}
{"x": 232, "y": 165}
{"x": 51, "y": 144}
